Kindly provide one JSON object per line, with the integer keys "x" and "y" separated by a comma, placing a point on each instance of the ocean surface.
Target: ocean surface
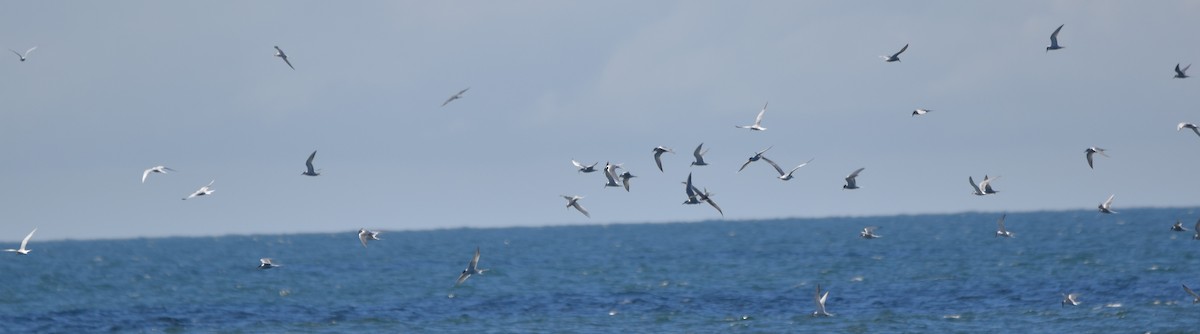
{"x": 927, "y": 274}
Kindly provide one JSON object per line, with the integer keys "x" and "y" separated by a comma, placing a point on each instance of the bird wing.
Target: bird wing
{"x": 452, "y": 97}
{"x": 1089, "y": 158}
{"x": 146, "y": 173}
{"x": 1190, "y": 292}
{"x": 901, "y": 51}
{"x": 576, "y": 163}
{"x": 462, "y": 277}
{"x": 265, "y": 260}
{"x": 1109, "y": 201}
{"x": 773, "y": 164}
{"x": 1181, "y": 124}
{"x": 699, "y": 155}
{"x": 463, "y": 91}
{"x": 308, "y": 163}
{"x": 17, "y": 53}
{"x": 855, "y": 174}
{"x": 692, "y": 193}
{"x": 1001, "y": 223}
{"x": 289, "y": 63}
{"x": 474, "y": 261}
{"x": 973, "y": 185}
{"x": 25, "y": 241}
{"x": 714, "y": 205}
{"x": 625, "y": 181}
{"x": 744, "y": 165}
{"x": 758, "y": 120}
{"x": 798, "y": 167}
{"x": 581, "y": 209}
{"x": 1054, "y": 36}
{"x": 1177, "y": 71}
{"x": 1197, "y": 226}
{"x": 28, "y": 51}
{"x": 658, "y": 159}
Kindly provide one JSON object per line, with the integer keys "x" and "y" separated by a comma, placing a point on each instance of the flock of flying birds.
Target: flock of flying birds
{"x": 694, "y": 194}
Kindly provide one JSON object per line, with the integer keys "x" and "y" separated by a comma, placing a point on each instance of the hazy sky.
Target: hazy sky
{"x": 116, "y": 87}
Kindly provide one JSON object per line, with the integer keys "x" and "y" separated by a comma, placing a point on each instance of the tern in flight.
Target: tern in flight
{"x": 573, "y": 201}
{"x": 471, "y": 269}
{"x": 820, "y": 299}
{"x": 610, "y": 173}
{"x": 308, "y": 163}
{"x": 869, "y": 232}
{"x": 658, "y": 152}
{"x": 364, "y": 236}
{"x": 155, "y": 169}
{"x": 757, "y": 155}
{"x": 1093, "y": 150}
{"x": 23, "y": 56}
{"x": 757, "y": 121}
{"x": 625, "y": 180}
{"x": 921, "y": 112}
{"x": 1183, "y": 125}
{"x": 1179, "y": 73}
{"x": 205, "y": 190}
{"x": 691, "y": 191}
{"x": 699, "y": 156}
{"x": 279, "y": 53}
{"x": 1070, "y": 299}
{"x": 1178, "y": 227}
{"x": 456, "y": 96}
{"x": 265, "y": 263}
{"x": 1106, "y": 207}
{"x": 850, "y": 179}
{"x": 983, "y": 188}
{"x": 895, "y": 56}
{"x": 1054, "y": 40}
{"x": 1001, "y": 231}
{"x": 786, "y": 176}
{"x": 584, "y": 169}
{"x": 1195, "y": 297}
{"x": 24, "y": 242}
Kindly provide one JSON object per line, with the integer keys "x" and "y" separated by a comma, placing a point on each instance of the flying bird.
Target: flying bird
{"x": 707, "y": 198}
{"x": 23, "y": 56}
{"x": 1070, "y": 299}
{"x": 364, "y": 236}
{"x": 456, "y": 96}
{"x": 691, "y": 191}
{"x": 155, "y": 169}
{"x": 279, "y": 53}
{"x": 869, "y": 232}
{"x": 1179, "y": 73}
{"x": 850, "y": 179}
{"x": 1093, "y": 150}
{"x": 699, "y": 156}
{"x": 1195, "y": 297}
{"x": 1054, "y": 40}
{"x": 1001, "y": 231}
{"x": 1189, "y": 126}
{"x": 573, "y": 201}
{"x": 625, "y": 180}
{"x": 785, "y": 176}
{"x": 658, "y": 152}
{"x": 308, "y": 164}
{"x": 265, "y": 263}
{"x": 921, "y": 112}
{"x": 895, "y": 56}
{"x": 1106, "y": 207}
{"x": 471, "y": 269}
{"x": 983, "y": 188}
{"x": 820, "y": 299}
{"x": 1178, "y": 227}
{"x": 205, "y": 190}
{"x": 584, "y": 169}
{"x": 24, "y": 243}
{"x": 610, "y": 173}
{"x": 757, "y": 121}
{"x": 695, "y": 196}
{"x": 757, "y": 155}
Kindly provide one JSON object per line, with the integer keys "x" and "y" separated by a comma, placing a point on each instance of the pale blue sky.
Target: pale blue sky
{"x": 118, "y": 87}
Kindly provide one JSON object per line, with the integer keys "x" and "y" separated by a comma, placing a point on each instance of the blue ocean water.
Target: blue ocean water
{"x": 928, "y": 273}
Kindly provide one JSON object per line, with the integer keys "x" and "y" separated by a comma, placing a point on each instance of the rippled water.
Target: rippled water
{"x": 935, "y": 273}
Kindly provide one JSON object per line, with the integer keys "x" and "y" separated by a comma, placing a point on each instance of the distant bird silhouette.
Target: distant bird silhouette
{"x": 309, "y": 171}
{"x": 1093, "y": 150}
{"x": 472, "y": 269}
{"x": 573, "y": 201}
{"x": 23, "y": 56}
{"x": 757, "y": 126}
{"x": 894, "y": 56}
{"x": 1181, "y": 73}
{"x": 456, "y": 96}
{"x": 851, "y": 182}
{"x": 658, "y": 152}
{"x": 921, "y": 112}
{"x": 699, "y": 156}
{"x": 1106, "y": 207}
{"x": 1183, "y": 125}
{"x": 279, "y": 53}
{"x": 1054, "y": 40}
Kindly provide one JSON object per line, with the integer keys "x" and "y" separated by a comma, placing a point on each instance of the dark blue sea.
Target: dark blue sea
{"x": 927, "y": 274}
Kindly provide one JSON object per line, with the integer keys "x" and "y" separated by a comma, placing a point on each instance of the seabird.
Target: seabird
{"x": 895, "y": 56}
{"x": 757, "y": 121}
{"x": 1195, "y": 297}
{"x": 658, "y": 151}
{"x": 983, "y": 188}
{"x": 35, "y": 48}
{"x": 455, "y": 96}
{"x": 850, "y": 179}
{"x": 610, "y": 173}
{"x": 699, "y": 156}
{"x": 1106, "y": 207}
{"x": 1093, "y": 150}
{"x": 1179, "y": 73}
{"x": 785, "y": 176}
{"x": 364, "y": 236}
{"x": 1054, "y": 40}
{"x": 920, "y": 112}
{"x": 1001, "y": 231}
{"x": 1189, "y": 126}
{"x": 24, "y": 242}
{"x": 205, "y": 190}
{"x": 691, "y": 191}
{"x": 155, "y": 169}
{"x": 1178, "y": 227}
{"x": 625, "y": 179}
{"x": 573, "y": 201}
{"x": 265, "y": 263}
{"x": 819, "y": 299}
{"x": 471, "y": 269}
{"x": 308, "y": 164}
{"x": 279, "y": 53}
{"x": 584, "y": 169}
{"x": 1069, "y": 298}
{"x": 757, "y": 155}
{"x": 869, "y": 232}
